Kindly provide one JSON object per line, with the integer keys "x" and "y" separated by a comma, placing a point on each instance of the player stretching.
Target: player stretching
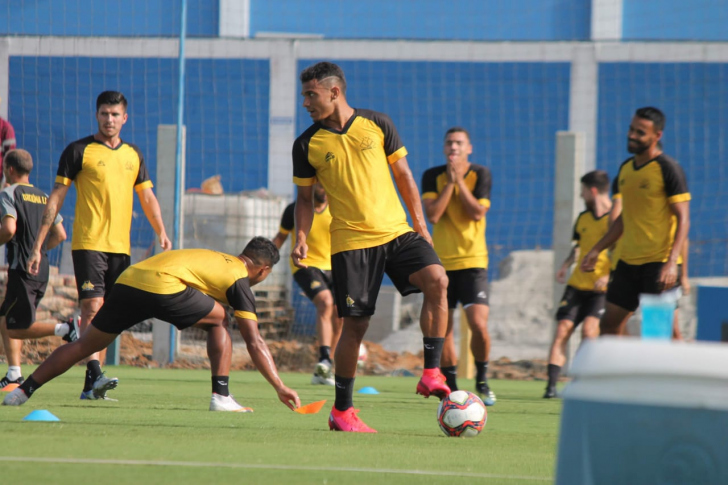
{"x": 21, "y": 208}
{"x": 315, "y": 280}
{"x": 349, "y": 151}
{"x": 653, "y": 225}
{"x": 107, "y": 171}
{"x": 185, "y": 287}
{"x": 584, "y": 296}
{"x": 456, "y": 197}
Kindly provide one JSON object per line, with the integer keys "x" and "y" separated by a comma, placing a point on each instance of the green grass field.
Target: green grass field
{"x": 160, "y": 431}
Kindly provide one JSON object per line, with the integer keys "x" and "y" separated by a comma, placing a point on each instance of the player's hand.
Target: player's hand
{"x": 426, "y": 235}
{"x": 452, "y": 173}
{"x": 589, "y": 261}
{"x": 164, "y": 242}
{"x": 561, "y": 275}
{"x": 600, "y": 286}
{"x": 299, "y": 253}
{"x": 668, "y": 276}
{"x": 685, "y": 284}
{"x": 34, "y": 262}
{"x": 288, "y": 397}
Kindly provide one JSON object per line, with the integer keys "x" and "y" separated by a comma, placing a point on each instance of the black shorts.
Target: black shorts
{"x": 126, "y": 306}
{"x": 467, "y": 286}
{"x": 358, "y": 273}
{"x": 21, "y": 299}
{"x": 627, "y": 281}
{"x": 96, "y": 272}
{"x": 576, "y": 305}
{"x": 313, "y": 281}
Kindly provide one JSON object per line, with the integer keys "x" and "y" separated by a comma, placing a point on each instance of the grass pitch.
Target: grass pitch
{"x": 160, "y": 431}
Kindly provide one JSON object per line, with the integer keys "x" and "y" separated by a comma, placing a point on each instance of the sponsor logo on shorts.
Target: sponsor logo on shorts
{"x": 481, "y": 295}
{"x": 563, "y": 303}
{"x": 600, "y": 312}
{"x": 87, "y": 286}
{"x": 349, "y": 301}
{"x": 315, "y": 284}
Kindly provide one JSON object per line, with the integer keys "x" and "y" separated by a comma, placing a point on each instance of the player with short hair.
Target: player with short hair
{"x": 21, "y": 208}
{"x": 107, "y": 171}
{"x": 349, "y": 151}
{"x": 653, "y": 225}
{"x": 456, "y": 197}
{"x": 316, "y": 280}
{"x": 585, "y": 293}
{"x": 187, "y": 287}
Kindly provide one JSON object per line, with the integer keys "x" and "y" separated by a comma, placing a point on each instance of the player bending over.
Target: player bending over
{"x": 186, "y": 287}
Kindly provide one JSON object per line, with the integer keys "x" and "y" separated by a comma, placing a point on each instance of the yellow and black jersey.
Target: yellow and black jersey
{"x": 459, "y": 240}
{"x": 104, "y": 180}
{"x": 218, "y": 275}
{"x": 649, "y": 223}
{"x": 588, "y": 230}
{"x": 353, "y": 167}
{"x": 319, "y": 238}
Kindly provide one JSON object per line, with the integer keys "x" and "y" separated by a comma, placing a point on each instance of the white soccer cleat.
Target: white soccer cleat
{"x": 322, "y": 374}
{"x": 325, "y": 381}
{"x": 227, "y": 403}
{"x": 15, "y": 398}
{"x": 102, "y": 385}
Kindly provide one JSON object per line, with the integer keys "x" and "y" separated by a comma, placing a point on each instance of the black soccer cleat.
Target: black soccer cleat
{"x": 74, "y": 330}
{"x": 5, "y": 381}
{"x": 550, "y": 393}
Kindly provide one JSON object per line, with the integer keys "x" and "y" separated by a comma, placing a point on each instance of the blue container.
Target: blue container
{"x": 645, "y": 412}
{"x": 657, "y": 314}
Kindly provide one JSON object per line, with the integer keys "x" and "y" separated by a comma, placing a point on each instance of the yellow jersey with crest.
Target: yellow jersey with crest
{"x": 588, "y": 230}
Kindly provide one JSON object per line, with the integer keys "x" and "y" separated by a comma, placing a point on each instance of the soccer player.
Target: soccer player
{"x": 106, "y": 171}
{"x": 682, "y": 260}
{"x": 653, "y": 225}
{"x": 21, "y": 208}
{"x": 315, "y": 280}
{"x": 349, "y": 151}
{"x": 585, "y": 293}
{"x": 456, "y": 197}
{"x": 186, "y": 287}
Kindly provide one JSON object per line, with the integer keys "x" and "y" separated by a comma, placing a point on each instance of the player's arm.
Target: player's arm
{"x": 411, "y": 195}
{"x": 57, "y": 235}
{"x": 668, "y": 274}
{"x": 151, "y": 208}
{"x": 475, "y": 210}
{"x": 7, "y": 229}
{"x": 561, "y": 273}
{"x": 304, "y": 220}
{"x": 287, "y": 225}
{"x": 280, "y": 239}
{"x": 435, "y": 208}
{"x": 607, "y": 241}
{"x": 54, "y": 204}
{"x": 263, "y": 360}
{"x": 684, "y": 279}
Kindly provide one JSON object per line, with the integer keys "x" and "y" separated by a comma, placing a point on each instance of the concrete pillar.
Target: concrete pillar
{"x": 4, "y": 78}
{"x": 606, "y": 21}
{"x": 234, "y": 18}
{"x": 165, "y": 337}
{"x": 281, "y": 125}
{"x": 583, "y": 100}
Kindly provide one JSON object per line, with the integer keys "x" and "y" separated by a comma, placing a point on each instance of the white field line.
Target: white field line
{"x": 91, "y": 461}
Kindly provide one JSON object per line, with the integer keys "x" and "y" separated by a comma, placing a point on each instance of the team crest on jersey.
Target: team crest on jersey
{"x": 330, "y": 157}
{"x": 87, "y": 286}
{"x": 101, "y": 164}
{"x": 349, "y": 301}
{"x": 645, "y": 184}
{"x": 366, "y": 144}
{"x": 315, "y": 284}
{"x": 129, "y": 166}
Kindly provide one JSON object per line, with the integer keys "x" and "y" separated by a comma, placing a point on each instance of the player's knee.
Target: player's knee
{"x": 436, "y": 286}
{"x": 324, "y": 302}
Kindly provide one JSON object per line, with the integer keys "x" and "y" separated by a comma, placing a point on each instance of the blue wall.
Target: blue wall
{"x": 705, "y": 20}
{"x": 512, "y": 111}
{"x": 693, "y": 97}
{"x": 156, "y": 18}
{"x": 426, "y": 19}
{"x": 52, "y": 102}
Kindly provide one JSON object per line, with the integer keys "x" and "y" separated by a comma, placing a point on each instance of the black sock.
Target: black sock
{"x": 553, "y": 372}
{"x": 88, "y": 382}
{"x": 324, "y": 353}
{"x": 451, "y": 376}
{"x": 481, "y": 369}
{"x": 433, "y": 351}
{"x": 344, "y": 392}
{"x": 93, "y": 371}
{"x": 220, "y": 385}
{"x": 29, "y": 386}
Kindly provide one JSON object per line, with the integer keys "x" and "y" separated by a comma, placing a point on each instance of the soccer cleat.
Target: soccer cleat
{"x": 433, "y": 383}
{"x": 486, "y": 395}
{"x": 322, "y": 374}
{"x": 348, "y": 421}
{"x": 5, "y": 381}
{"x": 74, "y": 330}
{"x": 227, "y": 403}
{"x": 15, "y": 398}
{"x": 550, "y": 393}
{"x": 103, "y": 384}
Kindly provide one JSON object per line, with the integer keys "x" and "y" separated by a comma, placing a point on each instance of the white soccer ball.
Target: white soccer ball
{"x": 462, "y": 413}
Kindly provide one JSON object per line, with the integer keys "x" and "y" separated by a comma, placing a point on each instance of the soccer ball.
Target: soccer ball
{"x": 462, "y": 413}
{"x": 363, "y": 354}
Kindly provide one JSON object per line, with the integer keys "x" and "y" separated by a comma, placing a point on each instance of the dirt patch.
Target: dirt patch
{"x": 290, "y": 356}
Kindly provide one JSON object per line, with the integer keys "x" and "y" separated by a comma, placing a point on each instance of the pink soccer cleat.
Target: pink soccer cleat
{"x": 348, "y": 421}
{"x": 433, "y": 383}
